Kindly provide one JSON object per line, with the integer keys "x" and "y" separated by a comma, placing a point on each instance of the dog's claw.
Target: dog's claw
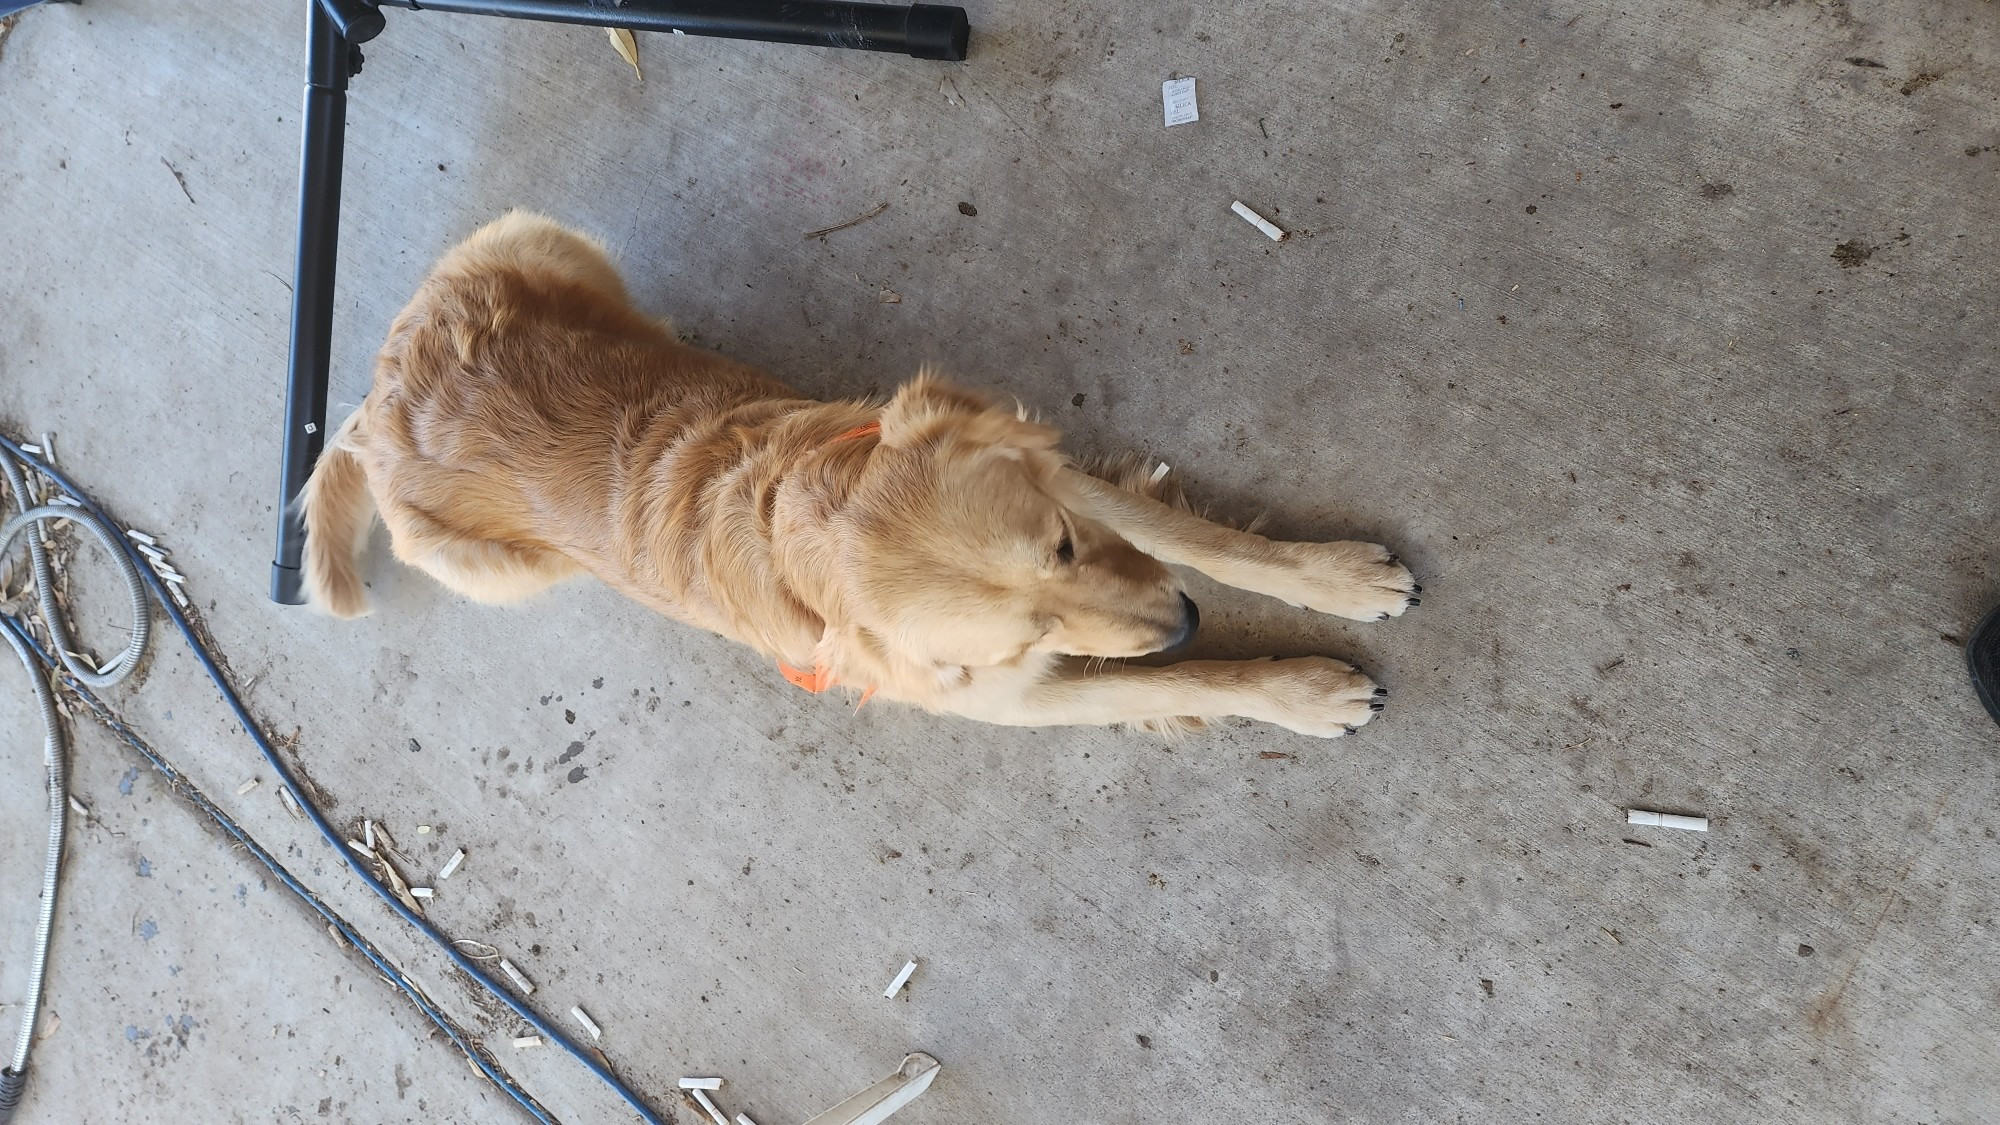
{"x": 1347, "y": 729}
{"x": 1381, "y": 692}
{"x": 1415, "y": 588}
{"x": 1377, "y": 706}
{"x": 1414, "y": 601}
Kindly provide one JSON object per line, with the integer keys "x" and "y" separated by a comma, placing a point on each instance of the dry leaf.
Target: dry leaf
{"x": 627, "y": 48}
{"x": 890, "y": 297}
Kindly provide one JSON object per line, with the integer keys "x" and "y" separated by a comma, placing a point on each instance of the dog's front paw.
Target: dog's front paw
{"x": 1362, "y": 581}
{"x": 1320, "y": 696}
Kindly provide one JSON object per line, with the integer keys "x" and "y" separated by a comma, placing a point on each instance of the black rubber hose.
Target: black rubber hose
{"x": 11, "y": 1085}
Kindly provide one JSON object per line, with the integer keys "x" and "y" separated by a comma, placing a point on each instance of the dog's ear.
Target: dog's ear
{"x": 927, "y": 409}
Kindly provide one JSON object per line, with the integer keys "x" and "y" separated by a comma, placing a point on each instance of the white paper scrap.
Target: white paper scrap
{"x": 1178, "y": 93}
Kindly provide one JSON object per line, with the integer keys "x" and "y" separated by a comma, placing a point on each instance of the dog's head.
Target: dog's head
{"x": 957, "y": 551}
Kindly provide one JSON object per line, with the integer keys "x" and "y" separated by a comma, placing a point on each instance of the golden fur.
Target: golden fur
{"x": 527, "y": 424}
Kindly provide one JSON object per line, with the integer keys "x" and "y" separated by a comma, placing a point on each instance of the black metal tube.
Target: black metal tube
{"x": 325, "y": 128}
{"x": 924, "y": 31}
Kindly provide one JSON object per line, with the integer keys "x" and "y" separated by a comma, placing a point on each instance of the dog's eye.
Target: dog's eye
{"x": 1066, "y": 550}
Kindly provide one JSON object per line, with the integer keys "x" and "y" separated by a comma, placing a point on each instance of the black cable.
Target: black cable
{"x": 332, "y": 837}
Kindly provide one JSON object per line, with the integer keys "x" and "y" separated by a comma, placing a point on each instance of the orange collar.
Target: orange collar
{"x": 874, "y": 427}
{"x": 820, "y": 679}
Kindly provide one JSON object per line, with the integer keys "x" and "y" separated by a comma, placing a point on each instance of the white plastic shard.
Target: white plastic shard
{"x": 874, "y": 1105}
{"x": 521, "y": 982}
{"x": 702, "y": 1097}
{"x": 1271, "y": 230}
{"x": 902, "y": 979}
{"x": 701, "y": 1083}
{"x": 1666, "y": 820}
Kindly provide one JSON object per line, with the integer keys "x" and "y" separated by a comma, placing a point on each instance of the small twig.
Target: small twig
{"x": 178, "y": 178}
{"x": 853, "y": 222}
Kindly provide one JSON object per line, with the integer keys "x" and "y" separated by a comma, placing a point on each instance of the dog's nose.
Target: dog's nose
{"x": 1190, "y": 624}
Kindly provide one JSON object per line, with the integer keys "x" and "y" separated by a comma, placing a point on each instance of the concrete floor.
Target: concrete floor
{"x": 1658, "y": 337}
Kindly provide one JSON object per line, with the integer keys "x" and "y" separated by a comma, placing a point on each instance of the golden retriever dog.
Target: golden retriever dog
{"x": 527, "y": 424}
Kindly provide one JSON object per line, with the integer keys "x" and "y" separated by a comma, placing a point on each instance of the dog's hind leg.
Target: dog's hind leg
{"x": 1313, "y": 695}
{"x": 1362, "y": 581}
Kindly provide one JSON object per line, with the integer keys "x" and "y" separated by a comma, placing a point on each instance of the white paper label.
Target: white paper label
{"x": 1178, "y": 93}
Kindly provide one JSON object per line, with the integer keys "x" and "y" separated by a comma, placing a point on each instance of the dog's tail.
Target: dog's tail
{"x": 338, "y": 514}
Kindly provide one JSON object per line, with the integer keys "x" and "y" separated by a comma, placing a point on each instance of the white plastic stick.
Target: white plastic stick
{"x": 744, "y": 1119}
{"x": 527, "y": 1041}
{"x": 702, "y": 1097}
{"x": 422, "y": 892}
{"x": 137, "y": 536}
{"x": 1666, "y": 820}
{"x": 1160, "y": 472}
{"x": 368, "y": 832}
{"x": 1269, "y": 228}
{"x": 49, "y": 448}
{"x": 526, "y": 986}
{"x": 595, "y": 1031}
{"x": 246, "y": 787}
{"x": 451, "y": 864}
{"x": 902, "y": 979}
{"x": 701, "y": 1083}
